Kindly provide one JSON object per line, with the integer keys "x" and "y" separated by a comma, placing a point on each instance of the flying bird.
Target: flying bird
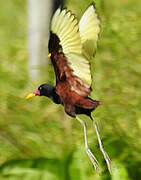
{"x": 72, "y": 46}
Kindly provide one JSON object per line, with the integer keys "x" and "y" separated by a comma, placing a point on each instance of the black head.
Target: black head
{"x": 48, "y": 91}
{"x": 45, "y": 90}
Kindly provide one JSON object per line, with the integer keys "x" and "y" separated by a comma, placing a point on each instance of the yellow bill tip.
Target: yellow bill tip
{"x": 49, "y": 55}
{"x": 30, "y": 95}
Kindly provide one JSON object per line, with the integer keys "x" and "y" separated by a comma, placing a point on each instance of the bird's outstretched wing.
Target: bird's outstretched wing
{"x": 89, "y": 27}
{"x": 66, "y": 45}
{"x": 65, "y": 26}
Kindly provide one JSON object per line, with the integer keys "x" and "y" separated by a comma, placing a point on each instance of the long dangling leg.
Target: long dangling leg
{"x": 88, "y": 151}
{"x": 106, "y": 157}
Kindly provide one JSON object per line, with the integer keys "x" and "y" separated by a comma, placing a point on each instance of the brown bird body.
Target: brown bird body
{"x": 70, "y": 88}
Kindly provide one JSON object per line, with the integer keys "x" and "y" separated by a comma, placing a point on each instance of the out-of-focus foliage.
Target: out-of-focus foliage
{"x": 37, "y": 140}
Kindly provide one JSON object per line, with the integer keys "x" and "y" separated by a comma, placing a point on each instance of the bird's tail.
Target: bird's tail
{"x": 88, "y": 103}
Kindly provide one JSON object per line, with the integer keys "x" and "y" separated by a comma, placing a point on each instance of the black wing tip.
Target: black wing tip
{"x": 67, "y": 11}
{"x": 92, "y": 4}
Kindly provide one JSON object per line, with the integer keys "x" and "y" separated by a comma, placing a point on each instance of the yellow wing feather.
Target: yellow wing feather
{"x": 65, "y": 26}
{"x": 81, "y": 68}
{"x": 89, "y": 27}
{"x": 76, "y": 38}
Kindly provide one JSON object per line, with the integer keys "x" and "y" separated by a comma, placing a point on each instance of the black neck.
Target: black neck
{"x": 49, "y": 91}
{"x": 55, "y": 97}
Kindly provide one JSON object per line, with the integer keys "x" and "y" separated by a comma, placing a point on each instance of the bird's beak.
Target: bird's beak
{"x": 31, "y": 95}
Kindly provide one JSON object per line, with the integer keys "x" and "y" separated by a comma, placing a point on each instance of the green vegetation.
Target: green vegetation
{"x": 37, "y": 140}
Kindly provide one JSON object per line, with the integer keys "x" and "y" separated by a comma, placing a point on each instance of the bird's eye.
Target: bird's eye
{"x": 40, "y": 88}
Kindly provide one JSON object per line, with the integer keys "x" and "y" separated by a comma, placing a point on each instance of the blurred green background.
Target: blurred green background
{"x": 37, "y": 140}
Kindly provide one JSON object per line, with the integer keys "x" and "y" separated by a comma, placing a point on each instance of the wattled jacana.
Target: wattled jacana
{"x": 72, "y": 45}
